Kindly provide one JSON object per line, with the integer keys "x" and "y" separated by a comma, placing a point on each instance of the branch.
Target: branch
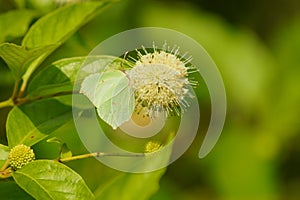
{"x": 14, "y": 95}
{"x": 7, "y": 103}
{"x": 100, "y": 154}
{"x": 28, "y": 99}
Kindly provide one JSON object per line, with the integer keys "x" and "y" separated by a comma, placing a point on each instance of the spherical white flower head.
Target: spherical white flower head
{"x": 160, "y": 82}
{"x": 163, "y": 58}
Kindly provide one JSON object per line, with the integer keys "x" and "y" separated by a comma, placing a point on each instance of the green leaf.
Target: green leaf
{"x": 129, "y": 186}
{"x": 57, "y": 26}
{"x": 43, "y": 6}
{"x": 19, "y": 59}
{"x": 45, "y": 179}
{"x": 54, "y": 140}
{"x": 101, "y": 87}
{"x": 29, "y": 123}
{"x": 15, "y": 23}
{"x": 65, "y": 151}
{"x": 11, "y": 191}
{"x": 4, "y": 150}
{"x": 60, "y": 76}
{"x": 118, "y": 109}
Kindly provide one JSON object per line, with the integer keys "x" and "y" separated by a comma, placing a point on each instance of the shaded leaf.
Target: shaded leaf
{"x": 130, "y": 186}
{"x": 127, "y": 186}
{"x": 12, "y": 28}
{"x": 29, "y": 123}
{"x": 11, "y": 191}
{"x": 19, "y": 59}
{"x": 45, "y": 179}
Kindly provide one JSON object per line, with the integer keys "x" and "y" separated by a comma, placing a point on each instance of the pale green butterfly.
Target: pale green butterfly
{"x": 111, "y": 94}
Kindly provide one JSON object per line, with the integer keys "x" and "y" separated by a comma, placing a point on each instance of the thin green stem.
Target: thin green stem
{"x": 28, "y": 99}
{"x": 18, "y": 101}
{"x": 28, "y": 74}
{"x": 16, "y": 90}
{"x": 6, "y": 103}
{"x": 22, "y": 89}
{"x": 100, "y": 154}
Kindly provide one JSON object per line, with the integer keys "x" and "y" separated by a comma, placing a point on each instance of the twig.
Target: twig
{"x": 7, "y": 103}
{"x": 28, "y": 99}
{"x": 100, "y": 154}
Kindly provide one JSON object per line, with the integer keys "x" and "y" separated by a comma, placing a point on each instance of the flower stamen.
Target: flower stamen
{"x": 160, "y": 80}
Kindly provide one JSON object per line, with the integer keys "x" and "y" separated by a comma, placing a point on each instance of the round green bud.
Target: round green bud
{"x": 152, "y": 147}
{"x": 20, "y": 155}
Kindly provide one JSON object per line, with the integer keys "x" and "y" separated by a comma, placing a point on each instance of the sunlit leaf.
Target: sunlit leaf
{"x": 57, "y": 26}
{"x": 56, "y": 78}
{"x": 15, "y": 23}
{"x": 46, "y": 179}
{"x": 54, "y": 140}
{"x": 11, "y": 191}
{"x": 19, "y": 59}
{"x": 65, "y": 151}
{"x": 60, "y": 76}
{"x": 43, "y": 6}
{"x": 29, "y": 123}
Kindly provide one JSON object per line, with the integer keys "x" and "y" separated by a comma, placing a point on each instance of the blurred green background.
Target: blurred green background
{"x": 256, "y": 46}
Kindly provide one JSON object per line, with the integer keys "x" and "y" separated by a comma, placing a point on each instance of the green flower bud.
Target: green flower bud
{"x": 20, "y": 155}
{"x": 152, "y": 147}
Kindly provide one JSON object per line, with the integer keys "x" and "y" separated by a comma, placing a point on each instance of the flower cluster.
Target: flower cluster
{"x": 20, "y": 155}
{"x": 152, "y": 147}
{"x": 160, "y": 81}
